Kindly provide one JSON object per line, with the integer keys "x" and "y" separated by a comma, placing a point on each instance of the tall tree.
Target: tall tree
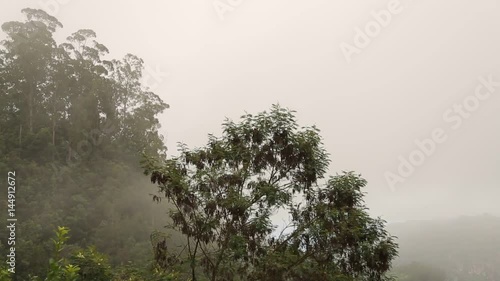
{"x": 225, "y": 193}
{"x": 30, "y": 46}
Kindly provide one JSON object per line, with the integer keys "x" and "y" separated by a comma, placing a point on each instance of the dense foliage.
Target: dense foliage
{"x": 73, "y": 126}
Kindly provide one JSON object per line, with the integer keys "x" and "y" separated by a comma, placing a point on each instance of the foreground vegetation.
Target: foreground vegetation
{"x": 74, "y": 126}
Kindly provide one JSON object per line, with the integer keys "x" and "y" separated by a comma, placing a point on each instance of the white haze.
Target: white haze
{"x": 370, "y": 111}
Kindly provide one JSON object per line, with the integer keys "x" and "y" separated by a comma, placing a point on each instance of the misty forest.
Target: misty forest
{"x": 99, "y": 198}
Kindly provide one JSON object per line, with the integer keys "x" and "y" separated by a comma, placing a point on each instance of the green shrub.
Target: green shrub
{"x": 93, "y": 265}
{"x": 59, "y": 268}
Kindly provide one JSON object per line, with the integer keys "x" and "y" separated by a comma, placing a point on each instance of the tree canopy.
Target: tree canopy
{"x": 226, "y": 192}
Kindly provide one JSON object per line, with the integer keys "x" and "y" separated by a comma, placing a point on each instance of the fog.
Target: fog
{"x": 373, "y": 103}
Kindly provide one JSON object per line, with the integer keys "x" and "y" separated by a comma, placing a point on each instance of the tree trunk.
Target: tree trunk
{"x": 54, "y": 125}
{"x": 30, "y": 106}
{"x": 53, "y": 138}
{"x": 20, "y": 136}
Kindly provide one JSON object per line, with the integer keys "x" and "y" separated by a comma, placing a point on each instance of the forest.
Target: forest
{"x": 98, "y": 197}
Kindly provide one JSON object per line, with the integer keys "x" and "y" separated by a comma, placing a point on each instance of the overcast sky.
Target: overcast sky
{"x": 374, "y": 88}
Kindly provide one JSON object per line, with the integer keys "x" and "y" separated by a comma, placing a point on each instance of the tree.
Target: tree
{"x": 30, "y": 46}
{"x": 225, "y": 193}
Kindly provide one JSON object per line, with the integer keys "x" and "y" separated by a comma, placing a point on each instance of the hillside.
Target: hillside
{"x": 466, "y": 248}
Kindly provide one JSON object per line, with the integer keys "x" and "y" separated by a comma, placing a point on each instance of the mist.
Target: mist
{"x": 370, "y": 111}
{"x": 404, "y": 92}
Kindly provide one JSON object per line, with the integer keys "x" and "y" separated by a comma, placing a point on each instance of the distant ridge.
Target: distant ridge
{"x": 466, "y": 247}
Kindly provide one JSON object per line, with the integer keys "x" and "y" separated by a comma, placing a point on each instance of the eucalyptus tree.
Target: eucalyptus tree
{"x": 136, "y": 105}
{"x": 30, "y": 46}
